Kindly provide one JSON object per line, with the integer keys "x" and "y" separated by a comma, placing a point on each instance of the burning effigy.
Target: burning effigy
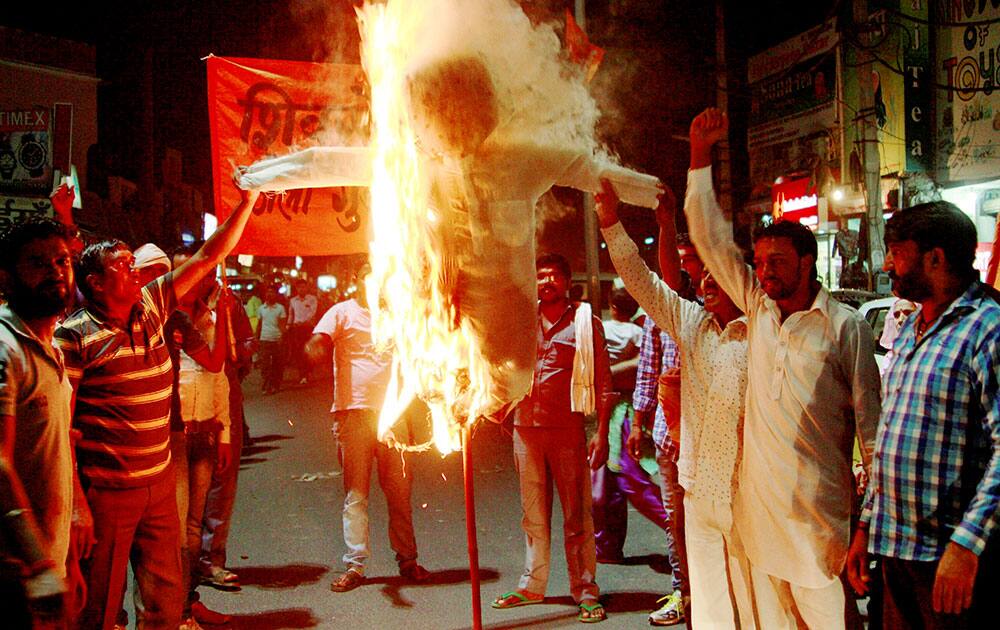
{"x": 475, "y": 113}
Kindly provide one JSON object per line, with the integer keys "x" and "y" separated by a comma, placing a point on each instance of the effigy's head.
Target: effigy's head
{"x": 453, "y": 105}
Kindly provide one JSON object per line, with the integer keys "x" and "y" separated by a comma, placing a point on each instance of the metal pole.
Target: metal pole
{"x": 870, "y": 156}
{"x": 591, "y": 241}
{"x": 470, "y": 526}
{"x": 722, "y": 165}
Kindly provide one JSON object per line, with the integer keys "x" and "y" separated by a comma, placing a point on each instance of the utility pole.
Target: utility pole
{"x": 722, "y": 164}
{"x": 869, "y": 140}
{"x": 591, "y": 243}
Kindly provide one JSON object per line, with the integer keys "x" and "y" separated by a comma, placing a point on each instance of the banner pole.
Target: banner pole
{"x": 470, "y": 526}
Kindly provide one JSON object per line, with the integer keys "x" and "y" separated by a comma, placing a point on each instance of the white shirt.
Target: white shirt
{"x": 270, "y": 316}
{"x": 360, "y": 375}
{"x": 622, "y": 339}
{"x": 713, "y": 374}
{"x": 303, "y": 309}
{"x": 204, "y": 395}
{"x": 813, "y": 385}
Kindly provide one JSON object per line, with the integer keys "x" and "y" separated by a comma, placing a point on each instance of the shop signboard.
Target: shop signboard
{"x": 25, "y": 151}
{"x": 793, "y": 107}
{"x": 970, "y": 67}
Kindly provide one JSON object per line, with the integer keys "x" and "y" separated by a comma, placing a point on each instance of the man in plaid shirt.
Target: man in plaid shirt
{"x": 933, "y": 506}
{"x": 658, "y": 354}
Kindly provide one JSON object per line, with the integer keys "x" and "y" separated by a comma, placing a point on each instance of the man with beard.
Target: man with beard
{"x": 930, "y": 513}
{"x": 812, "y": 387}
{"x": 572, "y": 377}
{"x": 118, "y": 361}
{"x": 46, "y": 525}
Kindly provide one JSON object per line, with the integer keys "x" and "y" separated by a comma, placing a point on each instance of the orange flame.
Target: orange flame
{"x": 435, "y": 356}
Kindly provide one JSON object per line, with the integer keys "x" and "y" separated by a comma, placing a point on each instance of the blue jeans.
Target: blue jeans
{"x": 222, "y": 494}
{"x": 673, "y": 503}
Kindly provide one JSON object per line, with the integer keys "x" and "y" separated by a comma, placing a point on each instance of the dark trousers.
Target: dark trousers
{"x": 909, "y": 584}
{"x": 612, "y": 491}
{"x": 272, "y": 364}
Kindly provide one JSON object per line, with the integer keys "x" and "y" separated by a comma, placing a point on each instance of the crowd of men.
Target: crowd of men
{"x": 120, "y": 422}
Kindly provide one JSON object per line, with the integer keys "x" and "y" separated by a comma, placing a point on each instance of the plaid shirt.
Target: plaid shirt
{"x": 936, "y": 470}
{"x": 657, "y": 352}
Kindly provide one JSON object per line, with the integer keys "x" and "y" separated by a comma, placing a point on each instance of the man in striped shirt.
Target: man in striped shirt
{"x": 933, "y": 505}
{"x": 119, "y": 365}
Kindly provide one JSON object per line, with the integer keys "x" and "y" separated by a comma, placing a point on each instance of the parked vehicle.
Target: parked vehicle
{"x": 875, "y": 312}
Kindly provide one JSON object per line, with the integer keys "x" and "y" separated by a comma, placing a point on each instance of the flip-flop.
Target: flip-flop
{"x": 517, "y": 598}
{"x": 590, "y": 609}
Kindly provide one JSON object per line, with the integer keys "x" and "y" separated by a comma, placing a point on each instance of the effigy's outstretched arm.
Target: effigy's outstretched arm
{"x": 316, "y": 167}
{"x": 585, "y": 173}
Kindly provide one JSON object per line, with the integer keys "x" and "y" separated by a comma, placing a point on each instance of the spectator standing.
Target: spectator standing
{"x": 713, "y": 344}
{"x": 119, "y": 364}
{"x": 572, "y": 378}
{"x": 204, "y": 445}
{"x": 272, "y": 319}
{"x": 361, "y": 376}
{"x": 658, "y": 356}
{"x": 302, "y": 311}
{"x": 812, "y": 387}
{"x": 622, "y": 480}
{"x": 46, "y": 522}
{"x": 222, "y": 492}
{"x": 930, "y": 513}
{"x": 252, "y": 305}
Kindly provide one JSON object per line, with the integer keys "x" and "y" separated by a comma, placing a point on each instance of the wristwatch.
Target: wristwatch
{"x": 32, "y": 154}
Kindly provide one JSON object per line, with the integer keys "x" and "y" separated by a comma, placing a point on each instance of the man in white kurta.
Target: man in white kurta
{"x": 813, "y": 386}
{"x": 712, "y": 340}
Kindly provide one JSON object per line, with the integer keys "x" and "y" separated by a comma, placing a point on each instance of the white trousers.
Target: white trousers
{"x": 781, "y": 604}
{"x": 718, "y": 569}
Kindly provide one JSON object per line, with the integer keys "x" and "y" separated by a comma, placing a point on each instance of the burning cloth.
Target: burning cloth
{"x": 461, "y": 151}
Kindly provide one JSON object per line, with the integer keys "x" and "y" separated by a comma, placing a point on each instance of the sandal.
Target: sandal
{"x": 348, "y": 581}
{"x": 591, "y": 613}
{"x": 513, "y": 599}
{"x": 222, "y": 579}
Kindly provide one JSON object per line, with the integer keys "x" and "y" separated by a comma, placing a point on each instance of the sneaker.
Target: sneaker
{"x": 671, "y": 613}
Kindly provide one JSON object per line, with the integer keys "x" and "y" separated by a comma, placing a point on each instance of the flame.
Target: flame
{"x": 436, "y": 356}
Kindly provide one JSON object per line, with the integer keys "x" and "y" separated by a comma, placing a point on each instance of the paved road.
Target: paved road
{"x": 286, "y": 543}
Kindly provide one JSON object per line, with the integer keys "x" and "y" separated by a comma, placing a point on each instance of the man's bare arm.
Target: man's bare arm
{"x": 216, "y": 248}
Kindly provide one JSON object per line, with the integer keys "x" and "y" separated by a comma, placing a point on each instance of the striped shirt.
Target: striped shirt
{"x": 123, "y": 382}
{"x": 657, "y": 353}
{"x": 936, "y": 469}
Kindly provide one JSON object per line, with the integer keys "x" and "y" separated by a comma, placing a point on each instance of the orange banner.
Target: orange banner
{"x": 581, "y": 51}
{"x": 265, "y": 108}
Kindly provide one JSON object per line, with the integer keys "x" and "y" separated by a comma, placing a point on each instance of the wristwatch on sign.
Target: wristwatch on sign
{"x": 31, "y": 154}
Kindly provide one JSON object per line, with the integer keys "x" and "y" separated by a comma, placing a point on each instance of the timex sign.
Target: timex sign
{"x": 24, "y": 120}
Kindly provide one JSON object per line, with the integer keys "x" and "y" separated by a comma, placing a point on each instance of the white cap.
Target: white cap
{"x": 149, "y": 255}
